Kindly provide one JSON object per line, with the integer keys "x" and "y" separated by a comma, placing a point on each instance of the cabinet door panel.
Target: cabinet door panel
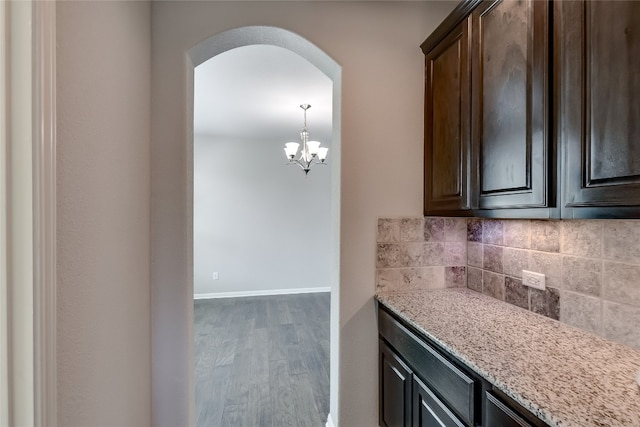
{"x": 613, "y": 70}
{"x": 598, "y": 86}
{"x": 505, "y": 72}
{"x": 429, "y": 411}
{"x": 395, "y": 389}
{"x": 447, "y": 124}
{"x": 510, "y": 70}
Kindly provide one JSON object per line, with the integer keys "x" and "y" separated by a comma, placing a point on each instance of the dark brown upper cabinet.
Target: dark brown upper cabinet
{"x": 551, "y": 127}
{"x": 597, "y": 55}
{"x": 512, "y": 152}
{"x": 488, "y": 150}
{"x": 447, "y": 124}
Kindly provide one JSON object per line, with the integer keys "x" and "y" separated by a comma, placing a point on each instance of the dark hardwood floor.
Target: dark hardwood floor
{"x": 262, "y": 361}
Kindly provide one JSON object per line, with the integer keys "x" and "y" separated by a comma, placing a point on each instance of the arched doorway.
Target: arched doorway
{"x": 262, "y": 241}
{"x": 172, "y": 366}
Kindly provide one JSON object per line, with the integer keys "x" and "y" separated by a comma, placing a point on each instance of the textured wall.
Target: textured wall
{"x": 103, "y": 197}
{"x": 592, "y": 267}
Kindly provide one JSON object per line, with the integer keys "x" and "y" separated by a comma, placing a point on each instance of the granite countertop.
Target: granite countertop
{"x": 565, "y": 376}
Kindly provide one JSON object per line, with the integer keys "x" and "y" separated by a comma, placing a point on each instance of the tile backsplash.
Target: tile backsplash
{"x": 421, "y": 253}
{"x": 592, "y": 267}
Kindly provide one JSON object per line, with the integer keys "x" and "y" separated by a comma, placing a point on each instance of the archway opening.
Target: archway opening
{"x": 270, "y": 36}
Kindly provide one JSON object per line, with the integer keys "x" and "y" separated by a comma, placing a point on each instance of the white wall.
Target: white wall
{"x": 4, "y": 214}
{"x": 262, "y": 225}
{"x": 16, "y": 249}
{"x": 103, "y": 196}
{"x": 377, "y": 45}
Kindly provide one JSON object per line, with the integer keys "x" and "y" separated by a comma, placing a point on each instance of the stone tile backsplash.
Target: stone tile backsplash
{"x": 592, "y": 267}
{"x": 421, "y": 253}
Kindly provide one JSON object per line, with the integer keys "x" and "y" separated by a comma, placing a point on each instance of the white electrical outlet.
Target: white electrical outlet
{"x": 215, "y": 275}
{"x": 533, "y": 280}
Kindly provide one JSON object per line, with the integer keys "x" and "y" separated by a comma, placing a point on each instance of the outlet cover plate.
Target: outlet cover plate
{"x": 533, "y": 279}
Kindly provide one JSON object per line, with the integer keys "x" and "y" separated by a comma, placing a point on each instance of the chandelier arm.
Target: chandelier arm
{"x": 303, "y": 165}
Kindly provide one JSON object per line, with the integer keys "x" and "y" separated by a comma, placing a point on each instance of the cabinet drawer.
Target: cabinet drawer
{"x": 498, "y": 414}
{"x": 453, "y": 386}
{"x": 502, "y": 411}
{"x": 428, "y": 411}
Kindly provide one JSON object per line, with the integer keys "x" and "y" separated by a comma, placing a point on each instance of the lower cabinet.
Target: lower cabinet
{"x": 422, "y": 385}
{"x": 405, "y": 401}
{"x": 395, "y": 389}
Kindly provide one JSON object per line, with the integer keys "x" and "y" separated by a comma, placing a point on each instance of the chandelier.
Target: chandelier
{"x": 312, "y": 153}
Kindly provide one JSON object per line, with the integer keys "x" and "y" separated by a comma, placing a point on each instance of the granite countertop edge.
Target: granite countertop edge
{"x": 403, "y": 304}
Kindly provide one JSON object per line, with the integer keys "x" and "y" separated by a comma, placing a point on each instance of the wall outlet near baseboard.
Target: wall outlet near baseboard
{"x": 215, "y": 275}
{"x": 533, "y": 279}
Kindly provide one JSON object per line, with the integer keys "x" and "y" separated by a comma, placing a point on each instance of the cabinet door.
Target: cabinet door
{"x": 598, "y": 86}
{"x": 447, "y": 125}
{"x": 513, "y": 154}
{"x": 395, "y": 389}
{"x": 428, "y": 410}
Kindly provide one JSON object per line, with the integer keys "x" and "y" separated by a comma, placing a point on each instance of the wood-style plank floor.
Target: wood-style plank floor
{"x": 262, "y": 361}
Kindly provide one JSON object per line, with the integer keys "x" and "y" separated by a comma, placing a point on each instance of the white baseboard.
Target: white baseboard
{"x": 261, "y": 293}
{"x": 329, "y": 422}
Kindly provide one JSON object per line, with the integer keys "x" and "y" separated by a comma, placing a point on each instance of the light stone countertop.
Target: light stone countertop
{"x": 565, "y": 376}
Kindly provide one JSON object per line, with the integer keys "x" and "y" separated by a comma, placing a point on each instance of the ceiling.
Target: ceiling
{"x": 255, "y": 92}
